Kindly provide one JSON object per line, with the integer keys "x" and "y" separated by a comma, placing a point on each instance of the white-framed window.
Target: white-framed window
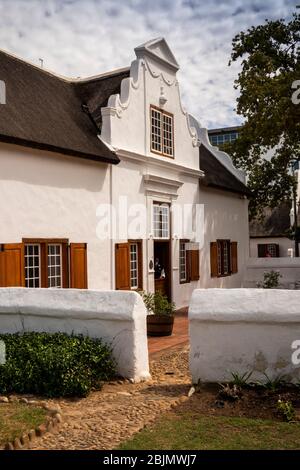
{"x": 161, "y": 220}
{"x": 182, "y": 262}
{"x": 134, "y": 274}
{"x": 54, "y": 265}
{"x": 162, "y": 132}
{"x": 32, "y": 265}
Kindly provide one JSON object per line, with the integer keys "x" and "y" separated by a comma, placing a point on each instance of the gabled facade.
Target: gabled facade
{"x": 153, "y": 206}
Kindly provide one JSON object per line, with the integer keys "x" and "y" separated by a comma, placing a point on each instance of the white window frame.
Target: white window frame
{"x": 134, "y": 266}
{"x": 55, "y": 266}
{"x": 162, "y": 217}
{"x": 34, "y": 266}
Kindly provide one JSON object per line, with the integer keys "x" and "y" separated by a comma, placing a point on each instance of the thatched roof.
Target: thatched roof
{"x": 218, "y": 176}
{"x": 275, "y": 223}
{"x": 47, "y": 112}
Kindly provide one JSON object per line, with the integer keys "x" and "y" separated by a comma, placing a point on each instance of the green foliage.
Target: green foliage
{"x": 54, "y": 364}
{"x": 269, "y": 56}
{"x": 286, "y": 409}
{"x": 241, "y": 380}
{"x": 270, "y": 281}
{"x": 272, "y": 384}
{"x": 158, "y": 304}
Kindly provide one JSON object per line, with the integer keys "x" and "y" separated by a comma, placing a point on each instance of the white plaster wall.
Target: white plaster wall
{"x": 243, "y": 330}
{"x": 226, "y": 217}
{"x": 47, "y": 195}
{"x": 126, "y": 120}
{"x": 289, "y": 269}
{"x": 117, "y": 317}
{"x": 284, "y": 245}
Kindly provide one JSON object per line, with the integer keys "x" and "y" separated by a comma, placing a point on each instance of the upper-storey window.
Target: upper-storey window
{"x": 162, "y": 132}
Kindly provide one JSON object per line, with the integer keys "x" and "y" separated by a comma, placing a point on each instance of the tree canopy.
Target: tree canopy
{"x": 270, "y": 105}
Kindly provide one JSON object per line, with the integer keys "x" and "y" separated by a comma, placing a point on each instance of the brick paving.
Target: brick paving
{"x": 180, "y": 336}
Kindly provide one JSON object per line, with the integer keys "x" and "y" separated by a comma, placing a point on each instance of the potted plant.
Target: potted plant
{"x": 160, "y": 318}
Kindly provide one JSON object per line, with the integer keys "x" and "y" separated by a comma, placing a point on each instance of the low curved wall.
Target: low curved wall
{"x": 243, "y": 330}
{"x": 117, "y": 317}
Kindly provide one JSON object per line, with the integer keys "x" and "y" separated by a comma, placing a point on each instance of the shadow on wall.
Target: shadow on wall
{"x": 50, "y": 169}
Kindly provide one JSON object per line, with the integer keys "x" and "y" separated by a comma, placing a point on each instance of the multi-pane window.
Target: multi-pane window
{"x": 161, "y": 220}
{"x": 223, "y": 257}
{"x": 182, "y": 262}
{"x": 134, "y": 275}
{"x": 268, "y": 250}
{"x": 221, "y": 139}
{"x": 43, "y": 264}
{"x": 162, "y": 134}
{"x": 54, "y": 265}
{"x": 32, "y": 265}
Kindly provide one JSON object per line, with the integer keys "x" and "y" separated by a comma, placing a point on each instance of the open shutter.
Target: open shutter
{"x": 194, "y": 265}
{"x": 12, "y": 265}
{"x": 276, "y": 250}
{"x": 261, "y": 250}
{"x": 122, "y": 266}
{"x": 78, "y": 266}
{"x": 214, "y": 259}
{"x": 234, "y": 257}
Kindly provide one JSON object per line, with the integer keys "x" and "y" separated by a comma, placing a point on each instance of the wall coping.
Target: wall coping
{"x": 245, "y": 305}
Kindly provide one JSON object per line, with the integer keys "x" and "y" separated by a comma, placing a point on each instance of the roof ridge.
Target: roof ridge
{"x": 63, "y": 77}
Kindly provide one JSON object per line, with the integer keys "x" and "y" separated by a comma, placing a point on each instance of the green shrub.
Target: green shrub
{"x": 54, "y": 364}
{"x": 158, "y": 304}
{"x": 270, "y": 281}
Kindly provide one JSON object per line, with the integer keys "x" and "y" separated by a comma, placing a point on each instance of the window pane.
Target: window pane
{"x": 161, "y": 221}
{"x": 32, "y": 265}
{"x": 54, "y": 265}
{"x": 156, "y": 130}
{"x": 134, "y": 266}
{"x": 182, "y": 262}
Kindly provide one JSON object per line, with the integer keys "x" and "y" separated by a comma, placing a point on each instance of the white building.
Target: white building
{"x": 72, "y": 151}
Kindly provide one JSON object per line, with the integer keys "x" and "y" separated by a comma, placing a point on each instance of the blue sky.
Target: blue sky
{"x": 87, "y": 37}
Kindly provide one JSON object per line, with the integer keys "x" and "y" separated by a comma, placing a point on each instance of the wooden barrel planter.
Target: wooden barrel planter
{"x": 160, "y": 325}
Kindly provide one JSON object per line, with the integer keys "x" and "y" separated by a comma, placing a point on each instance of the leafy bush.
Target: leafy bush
{"x": 54, "y": 364}
{"x": 286, "y": 409}
{"x": 270, "y": 281}
{"x": 158, "y": 304}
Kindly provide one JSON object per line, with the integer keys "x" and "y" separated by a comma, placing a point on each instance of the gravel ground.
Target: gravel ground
{"x": 106, "y": 418}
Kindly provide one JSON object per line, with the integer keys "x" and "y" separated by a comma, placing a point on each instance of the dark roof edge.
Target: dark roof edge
{"x": 112, "y": 158}
{"x": 248, "y": 193}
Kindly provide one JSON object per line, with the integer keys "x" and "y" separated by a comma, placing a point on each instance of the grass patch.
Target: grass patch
{"x": 17, "y": 418}
{"x": 188, "y": 431}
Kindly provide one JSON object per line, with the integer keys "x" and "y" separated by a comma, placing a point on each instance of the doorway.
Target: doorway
{"x": 162, "y": 267}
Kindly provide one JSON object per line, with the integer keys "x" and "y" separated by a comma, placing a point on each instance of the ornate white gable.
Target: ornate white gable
{"x": 158, "y": 50}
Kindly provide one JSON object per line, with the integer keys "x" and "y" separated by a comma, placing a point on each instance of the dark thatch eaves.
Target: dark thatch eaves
{"x": 51, "y": 113}
{"x": 218, "y": 176}
{"x": 275, "y": 222}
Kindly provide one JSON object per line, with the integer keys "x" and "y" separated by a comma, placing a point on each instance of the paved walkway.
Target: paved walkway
{"x": 106, "y": 418}
{"x": 180, "y": 336}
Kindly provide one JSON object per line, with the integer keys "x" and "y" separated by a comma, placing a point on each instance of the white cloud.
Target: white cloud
{"x": 87, "y": 37}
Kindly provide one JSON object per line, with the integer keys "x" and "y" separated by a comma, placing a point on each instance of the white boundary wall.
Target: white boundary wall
{"x": 289, "y": 269}
{"x": 243, "y": 330}
{"x": 117, "y": 317}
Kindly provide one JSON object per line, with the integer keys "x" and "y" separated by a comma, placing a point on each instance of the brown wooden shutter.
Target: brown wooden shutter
{"x": 78, "y": 266}
{"x": 234, "y": 257}
{"x": 122, "y": 266}
{"x": 214, "y": 259}
{"x": 194, "y": 265}
{"x": 277, "y": 250}
{"x": 12, "y": 265}
{"x": 261, "y": 250}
